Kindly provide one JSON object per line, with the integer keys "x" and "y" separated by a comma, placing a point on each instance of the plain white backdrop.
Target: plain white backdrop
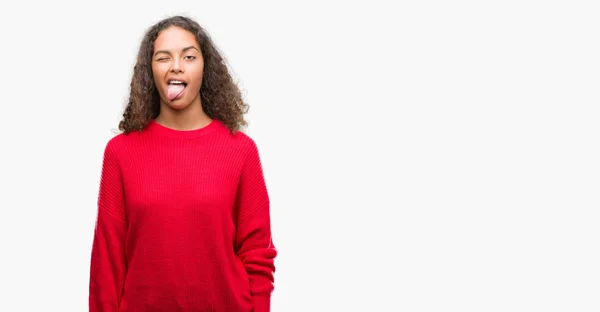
{"x": 420, "y": 155}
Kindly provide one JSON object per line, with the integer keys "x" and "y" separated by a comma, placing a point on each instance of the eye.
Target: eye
{"x": 190, "y": 57}
{"x": 161, "y": 59}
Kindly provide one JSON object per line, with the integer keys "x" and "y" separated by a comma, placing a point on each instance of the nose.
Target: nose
{"x": 176, "y": 67}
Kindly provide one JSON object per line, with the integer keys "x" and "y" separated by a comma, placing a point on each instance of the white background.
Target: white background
{"x": 420, "y": 156}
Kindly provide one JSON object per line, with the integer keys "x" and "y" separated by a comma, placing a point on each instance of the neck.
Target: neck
{"x": 189, "y": 118}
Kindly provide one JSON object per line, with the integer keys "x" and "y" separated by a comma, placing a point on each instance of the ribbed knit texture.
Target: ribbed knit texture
{"x": 183, "y": 224}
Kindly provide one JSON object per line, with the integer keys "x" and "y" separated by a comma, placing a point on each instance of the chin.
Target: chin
{"x": 178, "y": 105}
{"x": 175, "y": 104}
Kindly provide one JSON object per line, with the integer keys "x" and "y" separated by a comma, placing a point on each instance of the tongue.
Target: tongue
{"x": 173, "y": 91}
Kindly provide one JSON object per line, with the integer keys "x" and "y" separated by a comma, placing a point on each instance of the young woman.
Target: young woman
{"x": 183, "y": 211}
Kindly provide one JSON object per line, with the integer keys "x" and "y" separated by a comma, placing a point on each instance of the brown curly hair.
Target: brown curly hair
{"x": 220, "y": 96}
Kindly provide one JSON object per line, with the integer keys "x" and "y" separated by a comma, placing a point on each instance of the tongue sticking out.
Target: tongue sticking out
{"x": 174, "y": 91}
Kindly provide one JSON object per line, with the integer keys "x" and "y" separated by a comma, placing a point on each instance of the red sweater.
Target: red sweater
{"x": 183, "y": 224}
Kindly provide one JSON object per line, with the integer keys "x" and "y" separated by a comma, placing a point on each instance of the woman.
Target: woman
{"x": 183, "y": 210}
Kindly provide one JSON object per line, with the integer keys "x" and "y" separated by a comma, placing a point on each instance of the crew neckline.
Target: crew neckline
{"x": 162, "y": 130}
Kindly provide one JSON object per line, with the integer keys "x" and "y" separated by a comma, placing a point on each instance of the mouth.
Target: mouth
{"x": 175, "y": 88}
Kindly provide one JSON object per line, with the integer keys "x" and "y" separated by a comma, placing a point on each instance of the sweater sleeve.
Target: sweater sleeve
{"x": 107, "y": 265}
{"x": 254, "y": 245}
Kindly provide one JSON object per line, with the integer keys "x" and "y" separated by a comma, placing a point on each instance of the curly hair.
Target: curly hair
{"x": 220, "y": 96}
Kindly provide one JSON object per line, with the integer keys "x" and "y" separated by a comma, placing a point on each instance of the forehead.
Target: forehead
{"x": 175, "y": 38}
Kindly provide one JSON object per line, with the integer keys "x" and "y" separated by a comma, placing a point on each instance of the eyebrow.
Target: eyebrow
{"x": 182, "y": 50}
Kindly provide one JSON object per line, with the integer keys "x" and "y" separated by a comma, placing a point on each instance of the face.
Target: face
{"x": 177, "y": 67}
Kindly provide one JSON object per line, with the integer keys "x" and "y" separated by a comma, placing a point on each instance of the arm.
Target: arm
{"x": 107, "y": 265}
{"x": 254, "y": 245}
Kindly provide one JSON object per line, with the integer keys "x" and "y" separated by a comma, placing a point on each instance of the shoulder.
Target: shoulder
{"x": 123, "y": 141}
{"x": 112, "y": 148}
{"x": 116, "y": 143}
{"x": 240, "y": 145}
{"x": 246, "y": 145}
{"x": 120, "y": 143}
{"x": 244, "y": 140}
{"x": 238, "y": 140}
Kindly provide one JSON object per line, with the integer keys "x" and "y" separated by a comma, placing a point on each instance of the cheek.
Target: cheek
{"x": 155, "y": 73}
{"x": 158, "y": 70}
{"x": 198, "y": 75}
